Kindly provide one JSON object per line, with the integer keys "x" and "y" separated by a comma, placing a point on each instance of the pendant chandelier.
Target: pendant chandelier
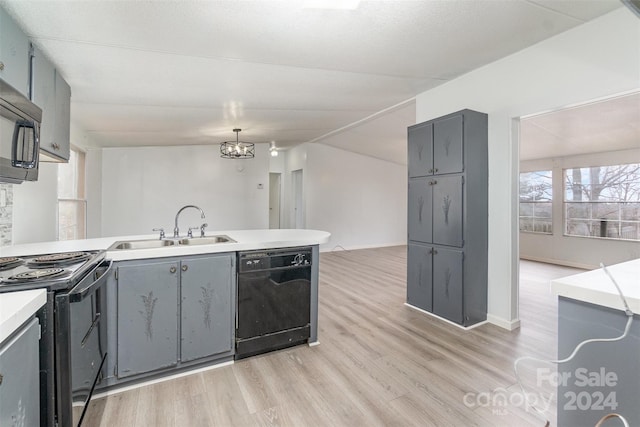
{"x": 237, "y": 149}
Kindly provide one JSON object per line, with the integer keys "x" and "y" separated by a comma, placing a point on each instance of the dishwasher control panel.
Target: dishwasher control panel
{"x": 270, "y": 259}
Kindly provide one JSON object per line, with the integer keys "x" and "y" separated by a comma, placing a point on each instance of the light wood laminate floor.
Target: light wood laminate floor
{"x": 378, "y": 363}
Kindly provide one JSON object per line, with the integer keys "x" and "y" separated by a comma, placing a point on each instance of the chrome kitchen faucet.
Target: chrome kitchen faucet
{"x": 176, "y": 231}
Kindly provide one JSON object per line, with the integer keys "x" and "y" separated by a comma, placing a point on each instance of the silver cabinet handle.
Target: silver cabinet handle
{"x": 1, "y": 68}
{"x": 1, "y": 377}
{"x": 185, "y": 267}
{"x": 430, "y": 170}
{"x": 435, "y": 170}
{"x": 172, "y": 270}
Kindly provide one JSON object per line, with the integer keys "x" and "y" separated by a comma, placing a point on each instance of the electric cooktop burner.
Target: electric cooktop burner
{"x": 52, "y": 260}
{"x": 33, "y": 275}
{"x": 9, "y": 262}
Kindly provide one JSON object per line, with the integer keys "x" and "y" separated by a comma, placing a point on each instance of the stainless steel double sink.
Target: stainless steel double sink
{"x": 162, "y": 243}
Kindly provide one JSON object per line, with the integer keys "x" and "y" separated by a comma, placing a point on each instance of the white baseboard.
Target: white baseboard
{"x": 465, "y": 328}
{"x": 159, "y": 380}
{"x": 559, "y": 262}
{"x": 509, "y": 325}
{"x": 336, "y": 247}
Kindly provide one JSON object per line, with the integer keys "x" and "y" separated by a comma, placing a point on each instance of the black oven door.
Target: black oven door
{"x": 81, "y": 345}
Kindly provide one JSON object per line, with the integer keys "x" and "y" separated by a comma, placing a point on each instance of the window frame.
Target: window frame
{"x": 591, "y": 220}
{"x": 79, "y": 186}
{"x": 533, "y": 203}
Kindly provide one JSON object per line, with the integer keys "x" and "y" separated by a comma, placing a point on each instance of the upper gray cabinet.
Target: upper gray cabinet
{"x": 420, "y": 150}
{"x": 51, "y": 93}
{"x": 447, "y": 145}
{"x": 435, "y": 148}
{"x": 14, "y": 54}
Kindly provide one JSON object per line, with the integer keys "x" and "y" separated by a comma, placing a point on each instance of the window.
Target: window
{"x": 535, "y": 202}
{"x": 603, "y": 201}
{"x": 72, "y": 205}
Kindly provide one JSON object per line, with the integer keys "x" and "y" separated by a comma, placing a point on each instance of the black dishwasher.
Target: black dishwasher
{"x": 274, "y": 298}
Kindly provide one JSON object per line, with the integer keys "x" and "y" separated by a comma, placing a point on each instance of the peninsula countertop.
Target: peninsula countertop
{"x": 596, "y": 287}
{"x": 18, "y": 307}
{"x": 244, "y": 240}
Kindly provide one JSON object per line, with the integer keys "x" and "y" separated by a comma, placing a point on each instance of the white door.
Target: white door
{"x": 298, "y": 205}
{"x": 274, "y": 200}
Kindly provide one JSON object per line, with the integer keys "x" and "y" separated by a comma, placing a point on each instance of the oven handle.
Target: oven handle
{"x": 80, "y": 293}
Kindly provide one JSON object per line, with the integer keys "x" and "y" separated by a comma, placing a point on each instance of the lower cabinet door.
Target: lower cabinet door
{"x": 447, "y": 284}
{"x": 206, "y": 327}
{"x": 147, "y": 317}
{"x": 20, "y": 378}
{"x": 419, "y": 270}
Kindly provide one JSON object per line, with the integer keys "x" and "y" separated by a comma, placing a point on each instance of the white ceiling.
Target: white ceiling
{"x": 607, "y": 125}
{"x": 188, "y": 72}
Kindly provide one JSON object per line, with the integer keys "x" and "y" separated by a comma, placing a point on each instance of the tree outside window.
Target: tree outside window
{"x": 603, "y": 202}
{"x": 536, "y": 196}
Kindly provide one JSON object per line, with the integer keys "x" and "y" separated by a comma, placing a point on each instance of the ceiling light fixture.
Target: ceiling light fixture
{"x": 237, "y": 149}
{"x": 273, "y": 150}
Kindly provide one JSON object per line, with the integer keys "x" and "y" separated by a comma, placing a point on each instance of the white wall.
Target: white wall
{"x": 597, "y": 59}
{"x": 360, "y": 200}
{"x": 575, "y": 251}
{"x": 143, "y": 188}
{"x": 93, "y": 190}
{"x": 35, "y": 207}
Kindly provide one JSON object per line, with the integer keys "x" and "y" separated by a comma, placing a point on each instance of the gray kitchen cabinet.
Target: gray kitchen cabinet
{"x": 419, "y": 276}
{"x": 20, "y": 378}
{"x": 447, "y": 210}
{"x": 602, "y": 377}
{"x": 168, "y": 313}
{"x": 420, "y": 212}
{"x": 420, "y": 148}
{"x": 435, "y": 210}
{"x": 52, "y": 94}
{"x": 447, "y": 214}
{"x": 206, "y": 306}
{"x": 436, "y": 147}
{"x": 447, "y": 283}
{"x": 147, "y": 317}
{"x": 14, "y": 54}
{"x": 60, "y": 147}
{"x": 448, "y": 145}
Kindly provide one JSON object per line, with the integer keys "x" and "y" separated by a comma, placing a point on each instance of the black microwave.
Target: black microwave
{"x": 19, "y": 136}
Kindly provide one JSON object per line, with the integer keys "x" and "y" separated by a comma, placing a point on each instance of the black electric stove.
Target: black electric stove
{"x": 54, "y": 272}
{"x": 73, "y": 327}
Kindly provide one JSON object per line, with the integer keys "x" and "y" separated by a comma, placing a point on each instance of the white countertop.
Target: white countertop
{"x": 595, "y": 287}
{"x": 17, "y": 307}
{"x": 245, "y": 240}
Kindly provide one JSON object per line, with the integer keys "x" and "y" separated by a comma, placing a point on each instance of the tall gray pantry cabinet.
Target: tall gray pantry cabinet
{"x": 447, "y": 217}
